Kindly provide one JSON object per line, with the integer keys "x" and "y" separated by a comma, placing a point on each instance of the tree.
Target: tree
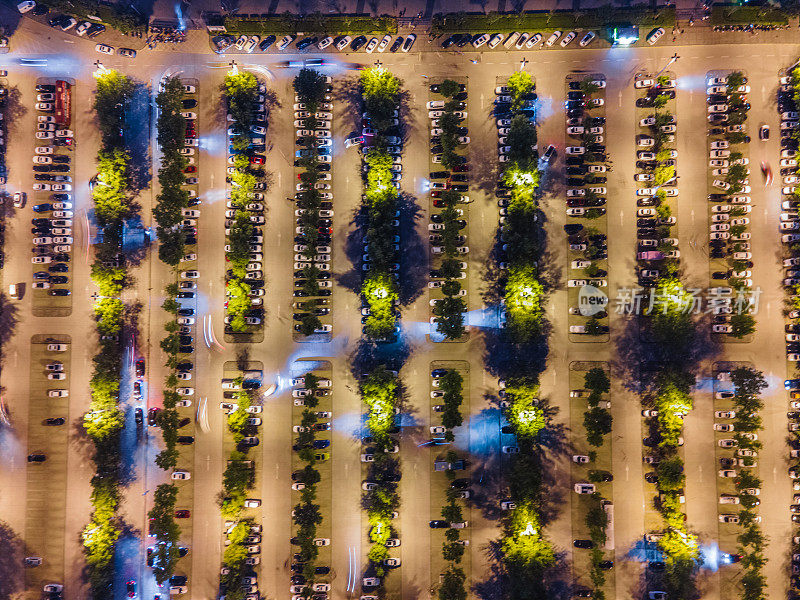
{"x": 449, "y": 88}
{"x": 742, "y": 324}
{"x": 453, "y": 551}
{"x": 670, "y": 474}
{"x": 596, "y": 379}
{"x": 449, "y": 313}
{"x": 452, "y": 586}
{"x": 597, "y": 422}
{"x": 241, "y": 90}
{"x": 520, "y": 83}
{"x": 309, "y": 86}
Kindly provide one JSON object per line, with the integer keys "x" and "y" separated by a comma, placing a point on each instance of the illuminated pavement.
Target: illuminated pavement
{"x": 278, "y": 351}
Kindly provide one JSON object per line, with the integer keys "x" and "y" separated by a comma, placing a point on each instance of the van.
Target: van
{"x": 12, "y": 290}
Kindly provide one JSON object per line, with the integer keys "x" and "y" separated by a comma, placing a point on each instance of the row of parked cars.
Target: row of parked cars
{"x": 740, "y": 458}
{"x": 654, "y": 142}
{"x": 321, "y": 253}
{"x": 322, "y": 448}
{"x": 52, "y": 225}
{"x": 729, "y": 187}
{"x": 790, "y": 202}
{"x": 586, "y": 190}
{"x": 456, "y": 180}
{"x": 342, "y": 43}
{"x": 255, "y": 206}
{"x": 55, "y": 371}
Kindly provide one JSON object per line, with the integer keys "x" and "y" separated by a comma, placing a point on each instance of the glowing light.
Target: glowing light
{"x": 529, "y": 530}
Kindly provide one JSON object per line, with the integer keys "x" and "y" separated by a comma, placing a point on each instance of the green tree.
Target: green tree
{"x": 449, "y": 88}
{"x": 309, "y": 86}
{"x": 520, "y": 83}
{"x": 597, "y": 422}
{"x": 596, "y": 379}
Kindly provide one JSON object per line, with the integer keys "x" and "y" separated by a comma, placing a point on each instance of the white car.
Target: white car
{"x": 373, "y": 43}
{"x": 325, "y": 42}
{"x": 342, "y": 43}
{"x": 552, "y": 39}
{"x": 652, "y": 39}
{"x": 567, "y": 39}
{"x": 644, "y": 83}
{"x": 480, "y": 41}
{"x": 586, "y": 40}
{"x": 103, "y": 49}
{"x": 495, "y": 40}
{"x": 25, "y": 6}
{"x": 285, "y": 41}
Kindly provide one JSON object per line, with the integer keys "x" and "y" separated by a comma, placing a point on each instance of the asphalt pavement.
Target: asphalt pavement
{"x": 761, "y": 62}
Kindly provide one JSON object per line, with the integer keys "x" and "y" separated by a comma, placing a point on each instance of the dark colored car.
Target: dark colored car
{"x": 320, "y": 444}
{"x": 59, "y": 279}
{"x": 183, "y": 514}
{"x": 42, "y": 207}
{"x": 36, "y": 458}
{"x": 186, "y": 349}
{"x": 186, "y": 312}
{"x": 58, "y": 268}
{"x": 139, "y": 417}
{"x": 185, "y": 439}
{"x": 140, "y": 367}
{"x": 185, "y": 295}
{"x": 60, "y": 292}
{"x": 306, "y": 42}
{"x": 54, "y": 421}
{"x": 460, "y": 484}
{"x": 266, "y": 42}
{"x": 358, "y": 43}
{"x": 396, "y": 44}
{"x": 586, "y": 544}
{"x": 178, "y": 580}
{"x": 185, "y": 339}
{"x": 438, "y": 524}
{"x": 152, "y": 415}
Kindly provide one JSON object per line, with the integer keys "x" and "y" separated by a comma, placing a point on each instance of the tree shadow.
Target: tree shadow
{"x": 137, "y": 136}
{"x": 414, "y": 259}
{"x": 369, "y": 355}
{"x": 353, "y": 249}
{"x": 14, "y": 110}
{"x": 348, "y": 93}
{"x": 12, "y": 578}
{"x": 8, "y": 320}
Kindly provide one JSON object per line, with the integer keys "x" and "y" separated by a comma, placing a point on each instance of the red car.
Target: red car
{"x": 436, "y": 194}
{"x": 257, "y": 159}
{"x": 439, "y": 203}
{"x": 461, "y": 168}
{"x": 325, "y": 231}
{"x": 190, "y": 169}
{"x": 183, "y": 514}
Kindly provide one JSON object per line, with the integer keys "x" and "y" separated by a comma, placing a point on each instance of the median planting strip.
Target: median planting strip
{"x": 587, "y": 221}
{"x": 112, "y": 197}
{"x": 243, "y": 410}
{"x": 729, "y": 195}
{"x": 313, "y": 113}
{"x": 380, "y": 470}
{"x": 591, "y": 476}
{"x": 449, "y": 492}
{"x": 737, "y": 423}
{"x": 176, "y": 216}
{"x": 517, "y": 284}
{"x": 245, "y": 100}
{"x": 448, "y": 228}
{"x": 48, "y": 439}
{"x": 657, "y": 252}
{"x": 312, "y": 485}
{"x": 381, "y": 149}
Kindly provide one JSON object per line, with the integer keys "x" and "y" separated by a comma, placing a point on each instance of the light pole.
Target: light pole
{"x": 672, "y": 59}
{"x": 234, "y": 68}
{"x": 522, "y": 63}
{"x": 99, "y": 69}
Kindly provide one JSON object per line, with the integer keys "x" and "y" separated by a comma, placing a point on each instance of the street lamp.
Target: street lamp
{"x": 379, "y": 65}
{"x": 522, "y": 63}
{"x": 234, "y": 69}
{"x": 99, "y": 69}
{"x": 672, "y": 59}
